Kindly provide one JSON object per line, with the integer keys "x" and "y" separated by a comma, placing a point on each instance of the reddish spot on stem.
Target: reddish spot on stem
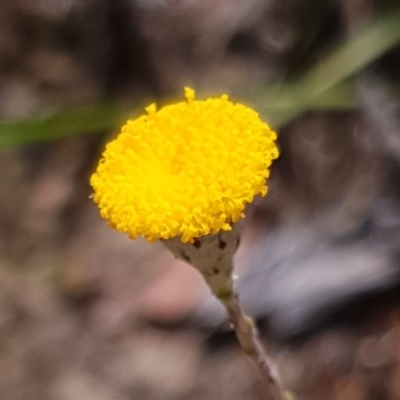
{"x": 221, "y": 244}
{"x": 197, "y": 243}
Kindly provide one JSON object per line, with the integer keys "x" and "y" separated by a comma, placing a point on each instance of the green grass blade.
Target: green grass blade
{"x": 83, "y": 120}
{"x": 380, "y": 36}
{"x": 279, "y": 106}
{"x": 316, "y": 86}
{"x": 322, "y": 87}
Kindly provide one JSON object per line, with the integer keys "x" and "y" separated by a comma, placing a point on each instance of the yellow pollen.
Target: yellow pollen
{"x": 186, "y": 170}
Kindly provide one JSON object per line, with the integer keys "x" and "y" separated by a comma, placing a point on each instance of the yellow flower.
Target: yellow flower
{"x": 186, "y": 170}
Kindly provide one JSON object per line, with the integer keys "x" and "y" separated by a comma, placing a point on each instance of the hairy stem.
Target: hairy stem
{"x": 212, "y": 256}
{"x": 247, "y": 335}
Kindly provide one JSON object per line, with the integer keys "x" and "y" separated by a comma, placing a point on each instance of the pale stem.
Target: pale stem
{"x": 249, "y": 340}
{"x": 212, "y": 256}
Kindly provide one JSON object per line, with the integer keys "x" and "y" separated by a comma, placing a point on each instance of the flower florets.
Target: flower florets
{"x": 186, "y": 170}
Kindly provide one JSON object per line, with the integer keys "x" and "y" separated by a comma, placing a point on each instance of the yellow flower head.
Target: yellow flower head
{"x": 186, "y": 170}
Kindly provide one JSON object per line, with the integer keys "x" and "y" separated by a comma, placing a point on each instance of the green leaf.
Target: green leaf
{"x": 322, "y": 87}
{"x": 280, "y": 105}
{"x": 314, "y": 88}
{"x": 83, "y": 120}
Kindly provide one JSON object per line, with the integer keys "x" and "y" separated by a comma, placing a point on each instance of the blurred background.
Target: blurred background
{"x": 87, "y": 314}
